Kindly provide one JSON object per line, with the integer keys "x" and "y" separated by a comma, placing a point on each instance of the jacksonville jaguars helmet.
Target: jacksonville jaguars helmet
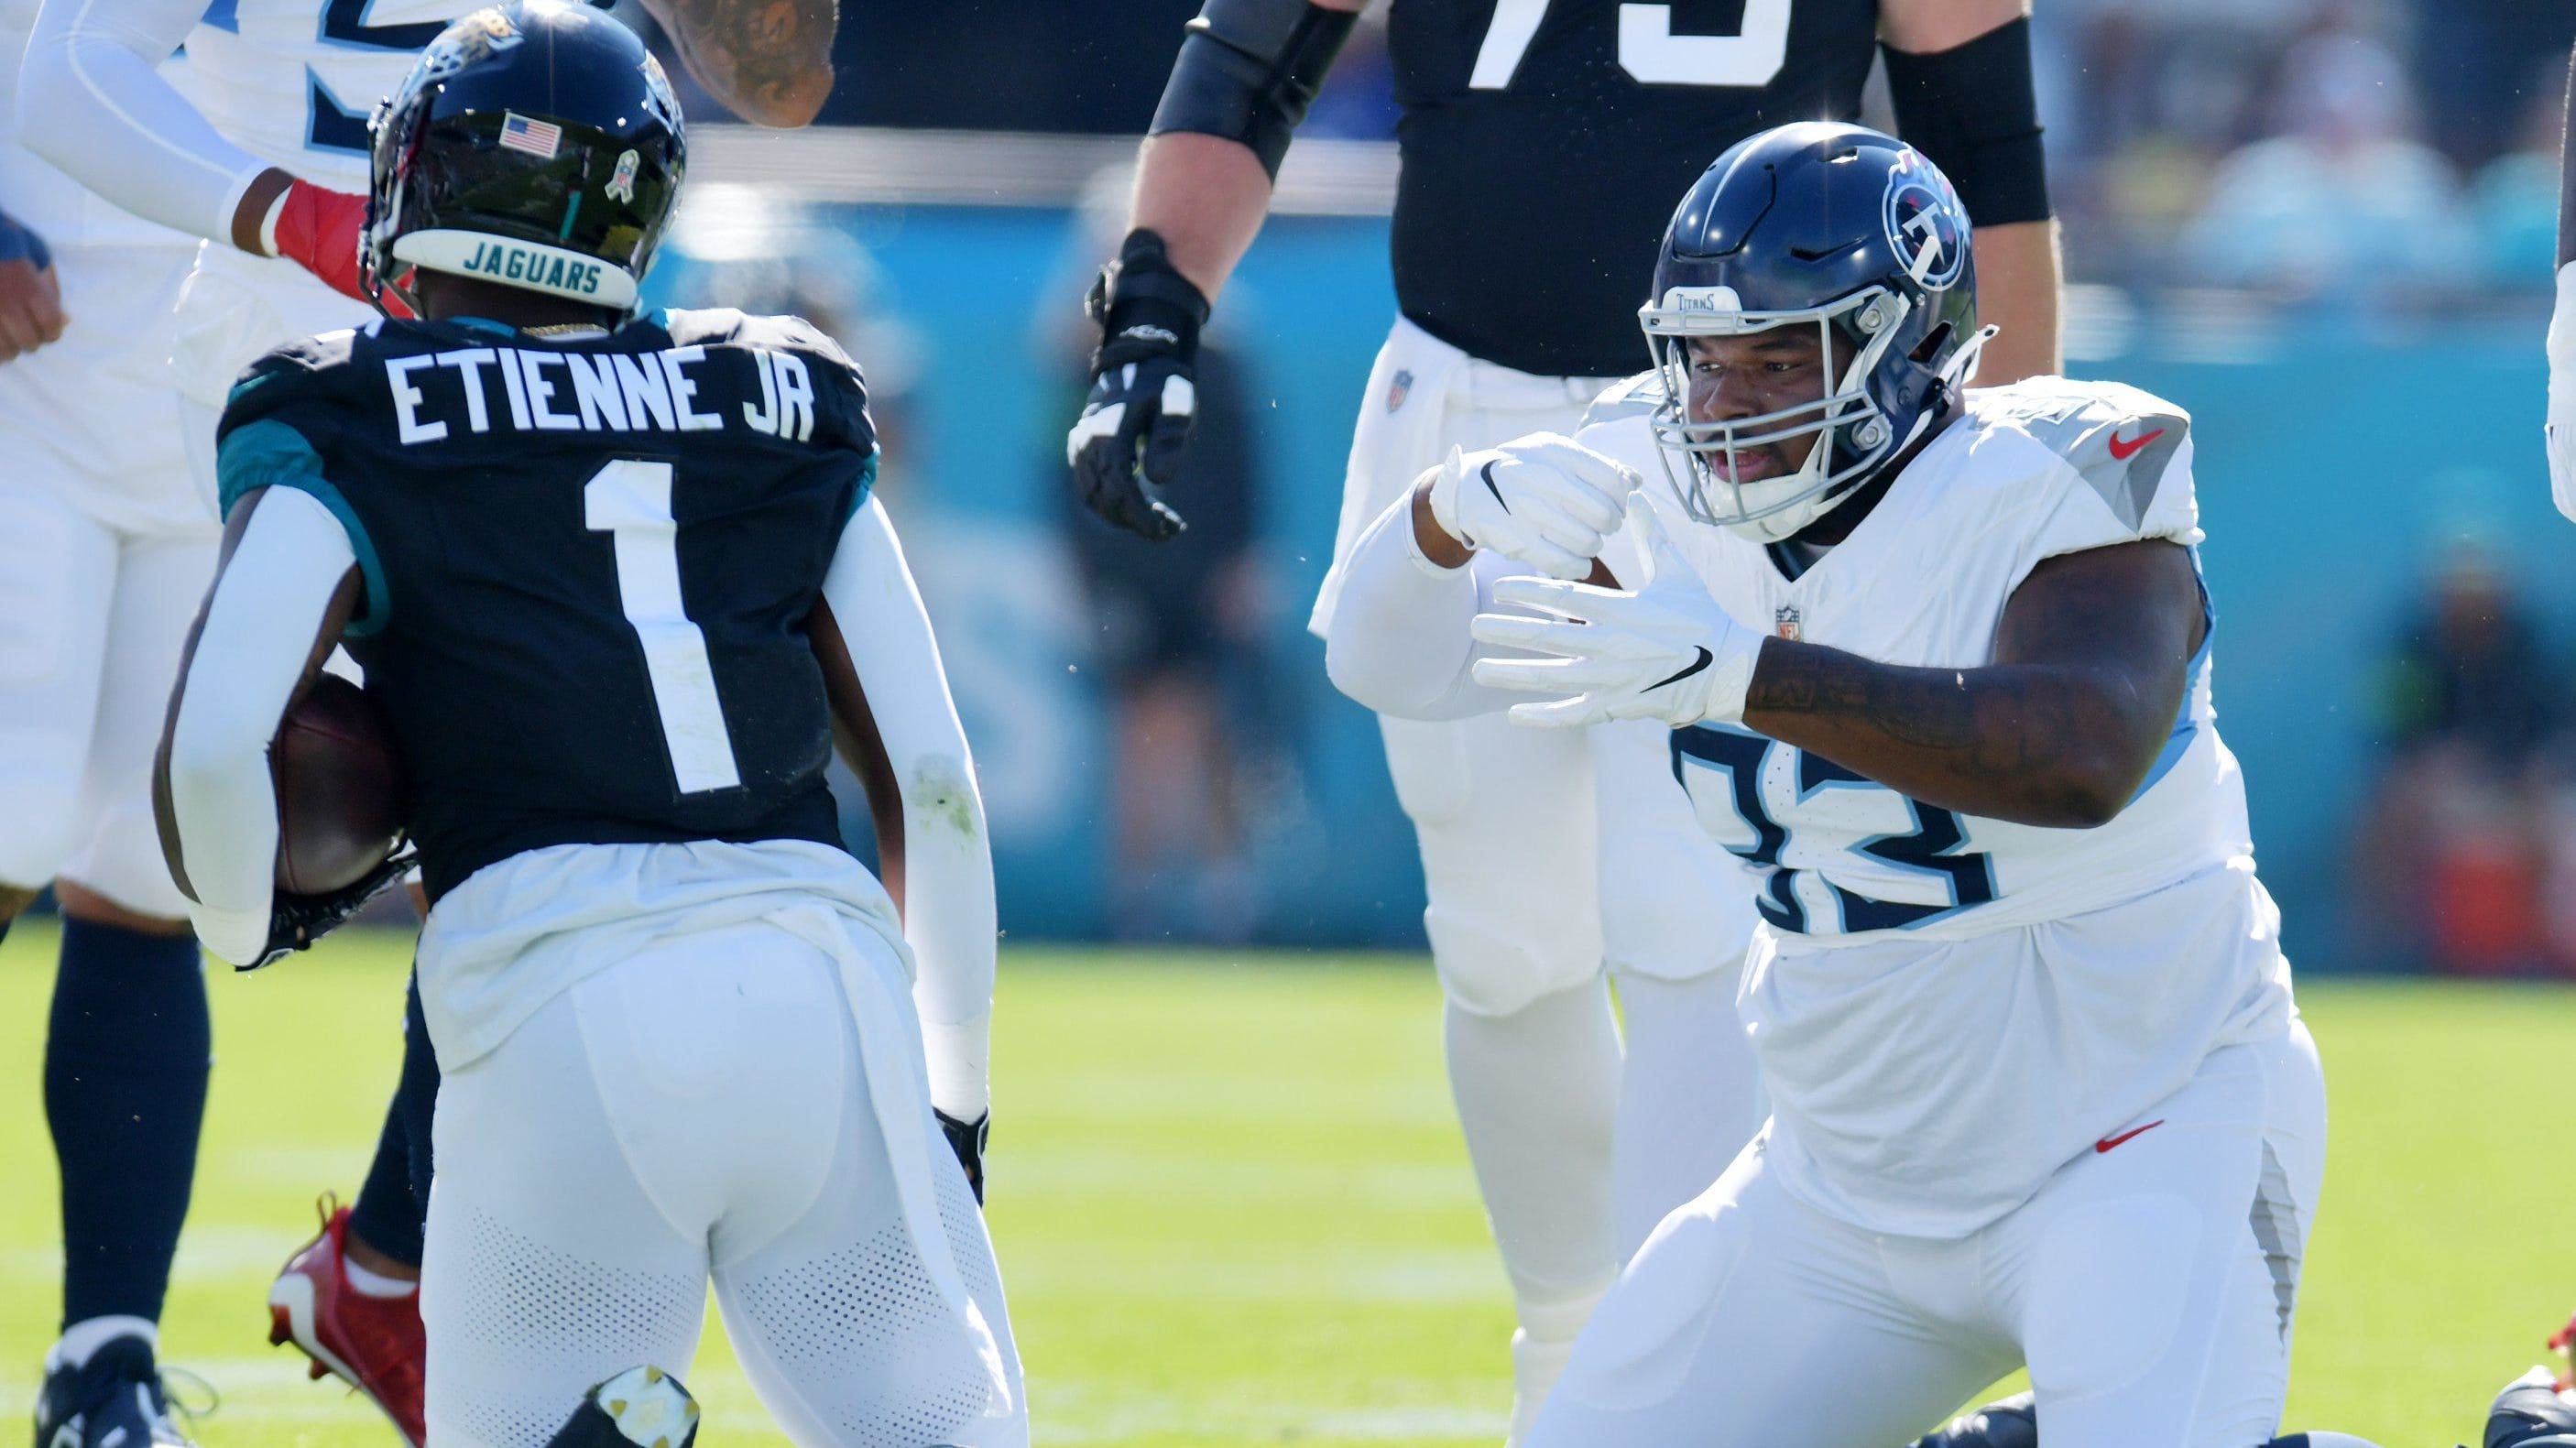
{"x": 1819, "y": 224}
{"x": 535, "y": 145}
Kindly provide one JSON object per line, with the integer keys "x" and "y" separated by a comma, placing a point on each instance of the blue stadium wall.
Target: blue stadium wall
{"x": 2336, "y": 453}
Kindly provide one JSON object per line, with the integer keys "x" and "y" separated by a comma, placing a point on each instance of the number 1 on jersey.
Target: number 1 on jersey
{"x": 631, "y": 502}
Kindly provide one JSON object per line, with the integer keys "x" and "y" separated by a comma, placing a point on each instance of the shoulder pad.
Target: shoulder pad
{"x": 1635, "y": 397}
{"x": 2120, "y": 440}
{"x": 303, "y": 370}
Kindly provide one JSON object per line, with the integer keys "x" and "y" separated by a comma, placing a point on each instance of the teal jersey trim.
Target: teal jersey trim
{"x": 270, "y": 454}
{"x": 867, "y": 485}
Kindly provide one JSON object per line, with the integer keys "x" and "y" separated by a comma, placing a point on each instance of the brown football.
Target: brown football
{"x": 339, "y": 788}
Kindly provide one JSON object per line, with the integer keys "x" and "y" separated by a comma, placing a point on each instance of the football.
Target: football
{"x": 339, "y": 788}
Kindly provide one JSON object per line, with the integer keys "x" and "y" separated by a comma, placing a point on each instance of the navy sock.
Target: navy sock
{"x": 393, "y": 1207}
{"x": 126, "y": 1055}
{"x": 417, "y": 1098}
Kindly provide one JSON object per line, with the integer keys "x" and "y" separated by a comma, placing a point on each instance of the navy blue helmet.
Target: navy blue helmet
{"x": 1817, "y": 224}
{"x": 535, "y": 144}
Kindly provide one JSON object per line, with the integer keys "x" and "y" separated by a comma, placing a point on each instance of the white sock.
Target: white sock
{"x": 1537, "y": 1091}
{"x": 87, "y": 1336}
{"x": 374, "y": 1284}
{"x": 1689, "y": 1098}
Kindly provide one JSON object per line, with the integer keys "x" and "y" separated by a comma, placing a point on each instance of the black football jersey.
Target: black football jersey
{"x": 1546, "y": 143}
{"x": 589, "y": 562}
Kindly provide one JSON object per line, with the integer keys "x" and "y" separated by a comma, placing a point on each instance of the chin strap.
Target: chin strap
{"x": 1961, "y": 369}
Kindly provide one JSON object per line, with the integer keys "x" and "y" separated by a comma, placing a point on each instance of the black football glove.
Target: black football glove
{"x": 296, "y": 921}
{"x": 1126, "y": 447}
{"x": 967, "y": 1140}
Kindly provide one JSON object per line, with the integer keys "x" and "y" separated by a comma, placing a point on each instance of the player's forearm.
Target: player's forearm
{"x": 2038, "y": 744}
{"x": 1399, "y": 642}
{"x": 2017, "y": 291}
{"x": 949, "y": 916}
{"x": 91, "y": 100}
{"x": 252, "y": 651}
{"x": 767, "y": 61}
{"x": 1207, "y": 197}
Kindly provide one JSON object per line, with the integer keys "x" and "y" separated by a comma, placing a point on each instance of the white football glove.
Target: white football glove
{"x": 1542, "y": 500}
{"x": 1664, "y": 651}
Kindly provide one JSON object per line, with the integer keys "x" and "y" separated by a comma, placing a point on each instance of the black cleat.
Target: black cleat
{"x": 2005, "y": 1423}
{"x": 115, "y": 1400}
{"x": 639, "y": 1408}
{"x": 2532, "y": 1412}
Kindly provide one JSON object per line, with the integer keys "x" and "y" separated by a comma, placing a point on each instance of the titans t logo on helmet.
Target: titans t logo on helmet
{"x": 1925, "y": 225}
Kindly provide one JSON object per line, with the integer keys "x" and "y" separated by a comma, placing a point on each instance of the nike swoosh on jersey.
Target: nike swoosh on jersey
{"x": 2108, "y": 1142}
{"x": 1686, "y": 670}
{"x": 2127, "y": 450}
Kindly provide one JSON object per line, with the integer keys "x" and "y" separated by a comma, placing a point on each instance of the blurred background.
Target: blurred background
{"x": 2325, "y": 229}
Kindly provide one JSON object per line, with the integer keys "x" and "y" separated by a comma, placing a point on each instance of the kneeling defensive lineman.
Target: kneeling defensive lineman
{"x": 619, "y": 584}
{"x": 1937, "y": 667}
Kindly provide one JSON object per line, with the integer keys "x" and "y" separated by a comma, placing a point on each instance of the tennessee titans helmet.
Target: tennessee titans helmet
{"x": 535, "y": 145}
{"x": 1819, "y": 224}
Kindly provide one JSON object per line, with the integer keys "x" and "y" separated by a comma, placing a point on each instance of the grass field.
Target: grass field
{"x": 1231, "y": 1204}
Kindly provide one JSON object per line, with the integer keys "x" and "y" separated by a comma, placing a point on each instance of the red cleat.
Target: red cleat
{"x": 375, "y": 1344}
{"x": 2559, "y": 1342}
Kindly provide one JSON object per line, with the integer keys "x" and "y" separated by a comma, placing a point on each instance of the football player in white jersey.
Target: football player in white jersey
{"x": 258, "y": 147}
{"x": 104, "y": 550}
{"x": 1547, "y": 858}
{"x": 1937, "y": 667}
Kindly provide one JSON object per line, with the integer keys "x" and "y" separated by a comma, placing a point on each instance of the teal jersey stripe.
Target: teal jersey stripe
{"x": 270, "y": 454}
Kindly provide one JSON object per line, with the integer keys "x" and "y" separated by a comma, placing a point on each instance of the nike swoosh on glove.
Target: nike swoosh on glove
{"x": 1665, "y": 651}
{"x": 318, "y": 230}
{"x": 1543, "y": 500}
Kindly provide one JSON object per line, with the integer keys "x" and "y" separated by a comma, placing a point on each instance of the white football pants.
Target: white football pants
{"x": 2148, "y": 1287}
{"x": 696, "y": 1111}
{"x": 105, "y": 553}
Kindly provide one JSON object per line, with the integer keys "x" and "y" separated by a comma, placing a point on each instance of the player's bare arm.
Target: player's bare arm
{"x": 1960, "y": 74}
{"x": 768, "y": 61}
{"x": 1246, "y": 72}
{"x": 31, "y": 300}
{"x": 2091, "y": 660}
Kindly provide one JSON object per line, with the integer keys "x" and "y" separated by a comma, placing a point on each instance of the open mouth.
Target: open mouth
{"x": 1744, "y": 465}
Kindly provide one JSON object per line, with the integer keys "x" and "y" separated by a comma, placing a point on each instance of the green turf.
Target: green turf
{"x": 1231, "y": 1205}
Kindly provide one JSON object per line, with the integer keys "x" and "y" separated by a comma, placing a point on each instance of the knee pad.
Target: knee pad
{"x": 2109, "y": 1280}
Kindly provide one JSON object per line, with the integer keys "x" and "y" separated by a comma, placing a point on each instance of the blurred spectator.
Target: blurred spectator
{"x": 2514, "y": 198}
{"x": 2344, "y": 197}
{"x": 2467, "y": 822}
{"x": 1179, "y": 630}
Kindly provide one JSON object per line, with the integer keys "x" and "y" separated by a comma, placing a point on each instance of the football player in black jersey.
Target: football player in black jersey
{"x": 620, "y": 584}
{"x": 1542, "y": 141}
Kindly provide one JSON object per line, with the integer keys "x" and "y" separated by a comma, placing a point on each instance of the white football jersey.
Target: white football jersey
{"x": 1949, "y": 1007}
{"x": 294, "y": 81}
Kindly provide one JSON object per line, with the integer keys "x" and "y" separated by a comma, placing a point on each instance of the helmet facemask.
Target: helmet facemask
{"x": 1853, "y": 436}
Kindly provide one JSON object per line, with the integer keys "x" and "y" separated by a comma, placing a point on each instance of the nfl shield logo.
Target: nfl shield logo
{"x": 1398, "y": 390}
{"x": 1784, "y": 621}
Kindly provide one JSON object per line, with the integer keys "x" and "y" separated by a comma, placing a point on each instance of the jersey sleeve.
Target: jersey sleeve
{"x": 93, "y": 101}
{"x": 2558, "y": 433}
{"x": 2121, "y": 474}
{"x": 281, "y": 428}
